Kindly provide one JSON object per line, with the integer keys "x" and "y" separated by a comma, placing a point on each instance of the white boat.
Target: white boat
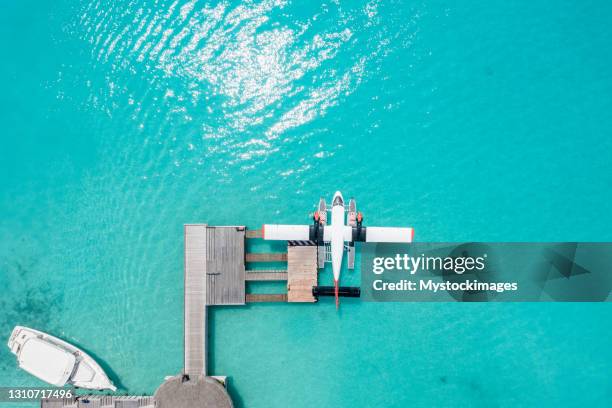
{"x": 55, "y": 361}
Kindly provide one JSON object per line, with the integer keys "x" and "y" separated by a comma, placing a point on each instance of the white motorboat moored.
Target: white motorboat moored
{"x": 55, "y": 361}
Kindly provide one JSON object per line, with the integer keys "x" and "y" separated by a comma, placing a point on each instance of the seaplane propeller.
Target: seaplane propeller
{"x": 339, "y": 235}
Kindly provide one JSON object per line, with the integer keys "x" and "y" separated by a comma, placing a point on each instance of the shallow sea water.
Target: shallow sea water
{"x": 123, "y": 120}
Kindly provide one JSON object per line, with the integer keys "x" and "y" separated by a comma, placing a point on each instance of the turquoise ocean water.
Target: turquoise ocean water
{"x": 122, "y": 120}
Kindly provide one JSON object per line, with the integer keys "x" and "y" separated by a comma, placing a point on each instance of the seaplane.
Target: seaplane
{"x": 346, "y": 228}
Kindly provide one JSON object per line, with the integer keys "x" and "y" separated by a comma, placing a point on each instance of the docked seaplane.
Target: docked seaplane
{"x": 337, "y": 236}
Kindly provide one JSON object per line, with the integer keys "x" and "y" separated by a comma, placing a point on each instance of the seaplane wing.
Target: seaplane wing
{"x": 327, "y": 233}
{"x": 389, "y": 234}
{"x": 285, "y": 232}
{"x": 347, "y": 233}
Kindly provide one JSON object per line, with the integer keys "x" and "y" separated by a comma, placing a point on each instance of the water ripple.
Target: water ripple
{"x": 247, "y": 76}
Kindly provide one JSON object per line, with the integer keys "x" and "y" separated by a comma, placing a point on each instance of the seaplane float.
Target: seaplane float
{"x": 339, "y": 235}
{"x": 56, "y": 362}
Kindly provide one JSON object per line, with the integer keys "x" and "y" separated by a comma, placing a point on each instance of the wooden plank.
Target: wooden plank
{"x": 195, "y": 299}
{"x": 257, "y": 297}
{"x": 303, "y": 282}
{"x": 279, "y": 275}
{"x": 302, "y": 273}
{"x": 301, "y": 296}
{"x": 225, "y": 266}
{"x": 267, "y": 257}
{"x": 96, "y": 401}
{"x": 251, "y": 233}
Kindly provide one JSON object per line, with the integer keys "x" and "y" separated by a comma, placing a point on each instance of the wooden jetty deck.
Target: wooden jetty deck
{"x": 266, "y": 257}
{"x": 251, "y": 233}
{"x": 266, "y": 275}
{"x": 301, "y": 273}
{"x": 225, "y": 272}
{"x": 198, "y": 392}
{"x": 195, "y": 299}
{"x": 214, "y": 275}
{"x": 99, "y": 401}
{"x": 262, "y": 297}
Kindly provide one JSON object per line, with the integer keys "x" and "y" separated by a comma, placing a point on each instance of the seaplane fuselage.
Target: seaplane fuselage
{"x": 337, "y": 229}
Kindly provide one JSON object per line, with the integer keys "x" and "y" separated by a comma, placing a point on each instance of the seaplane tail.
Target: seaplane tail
{"x": 336, "y": 294}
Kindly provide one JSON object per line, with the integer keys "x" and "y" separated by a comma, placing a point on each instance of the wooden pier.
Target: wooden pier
{"x": 214, "y": 275}
{"x": 301, "y": 273}
{"x": 262, "y": 297}
{"x": 266, "y": 275}
{"x": 267, "y": 257}
{"x": 196, "y": 392}
{"x": 225, "y": 272}
{"x": 195, "y": 338}
{"x": 99, "y": 401}
{"x": 251, "y": 233}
